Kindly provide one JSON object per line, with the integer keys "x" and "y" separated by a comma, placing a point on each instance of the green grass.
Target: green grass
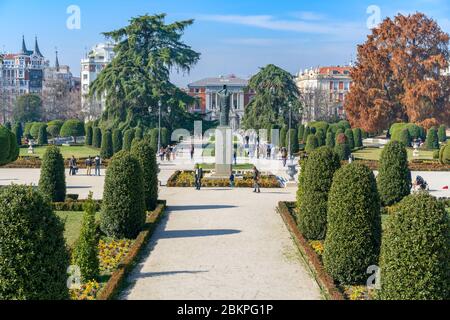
{"x": 73, "y": 221}
{"x": 241, "y": 166}
{"x": 375, "y": 153}
{"x": 67, "y": 151}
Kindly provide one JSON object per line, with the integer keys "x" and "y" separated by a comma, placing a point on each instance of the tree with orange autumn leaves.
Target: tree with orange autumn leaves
{"x": 398, "y": 76}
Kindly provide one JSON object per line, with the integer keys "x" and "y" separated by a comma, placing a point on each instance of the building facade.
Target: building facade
{"x": 205, "y": 91}
{"x": 323, "y": 91}
{"x": 94, "y": 62}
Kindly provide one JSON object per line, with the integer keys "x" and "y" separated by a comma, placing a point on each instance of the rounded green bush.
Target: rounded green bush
{"x": 394, "y": 177}
{"x": 415, "y": 252}
{"x": 72, "y": 128}
{"x": 34, "y": 130}
{"x": 85, "y": 253}
{"x": 294, "y": 141}
{"x": 319, "y": 125}
{"x": 330, "y": 140}
{"x": 432, "y": 141}
{"x": 442, "y": 133}
{"x": 96, "y": 137}
{"x": 342, "y": 148}
{"x": 33, "y": 254}
{"x": 54, "y": 128}
{"x": 106, "y": 150}
{"x": 352, "y": 242}
{"x": 9, "y": 150}
{"x": 89, "y": 134}
{"x": 316, "y": 183}
{"x": 444, "y": 154}
{"x": 52, "y": 182}
{"x": 117, "y": 139}
{"x": 144, "y": 151}
{"x": 312, "y": 143}
{"x": 42, "y": 137}
{"x": 123, "y": 207}
{"x": 128, "y": 139}
{"x": 357, "y": 137}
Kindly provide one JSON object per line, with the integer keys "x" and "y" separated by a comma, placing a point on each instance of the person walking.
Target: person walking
{"x": 88, "y": 163}
{"x": 161, "y": 153}
{"x": 269, "y": 152}
{"x": 256, "y": 178}
{"x": 232, "y": 178}
{"x": 235, "y": 157}
{"x": 174, "y": 151}
{"x": 192, "y": 151}
{"x": 73, "y": 166}
{"x": 168, "y": 153}
{"x": 198, "y": 177}
{"x": 284, "y": 156}
{"x": 98, "y": 163}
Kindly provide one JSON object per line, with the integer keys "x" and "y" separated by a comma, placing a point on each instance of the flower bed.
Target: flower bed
{"x": 121, "y": 256}
{"x": 72, "y": 205}
{"x": 185, "y": 179}
{"x": 34, "y": 162}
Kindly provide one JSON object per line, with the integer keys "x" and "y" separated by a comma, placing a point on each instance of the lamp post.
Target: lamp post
{"x": 159, "y": 124}
{"x": 289, "y": 132}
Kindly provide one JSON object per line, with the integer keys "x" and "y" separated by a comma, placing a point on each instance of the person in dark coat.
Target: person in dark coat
{"x": 198, "y": 177}
{"x": 256, "y": 178}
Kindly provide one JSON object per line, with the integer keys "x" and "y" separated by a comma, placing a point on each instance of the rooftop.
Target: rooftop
{"x": 230, "y": 80}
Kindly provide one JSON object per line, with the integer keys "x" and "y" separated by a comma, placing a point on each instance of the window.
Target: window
{"x": 341, "y": 85}
{"x": 336, "y": 86}
{"x": 347, "y": 86}
{"x": 85, "y": 76}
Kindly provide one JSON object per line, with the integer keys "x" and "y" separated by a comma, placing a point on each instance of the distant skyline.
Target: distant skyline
{"x": 233, "y": 37}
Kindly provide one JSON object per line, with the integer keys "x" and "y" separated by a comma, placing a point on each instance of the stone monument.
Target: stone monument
{"x": 224, "y": 137}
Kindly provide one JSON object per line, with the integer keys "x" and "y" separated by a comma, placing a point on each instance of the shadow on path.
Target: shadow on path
{"x": 195, "y": 233}
{"x": 167, "y": 273}
{"x": 199, "y": 207}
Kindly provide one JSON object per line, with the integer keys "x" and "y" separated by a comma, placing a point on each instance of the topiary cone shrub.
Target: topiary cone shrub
{"x": 85, "y": 253}
{"x": 18, "y": 131}
{"x": 320, "y": 137}
{"x": 432, "y": 141}
{"x": 52, "y": 182}
{"x": 352, "y": 242}
{"x": 143, "y": 151}
{"x": 123, "y": 207}
{"x": 357, "y": 137}
{"x": 89, "y": 134}
{"x": 342, "y": 148}
{"x": 283, "y": 134}
{"x": 117, "y": 139}
{"x": 96, "y": 137}
{"x": 405, "y": 138}
{"x": 42, "y": 137}
{"x": 394, "y": 177}
{"x": 415, "y": 253}
{"x": 294, "y": 142}
{"x": 106, "y": 150}
{"x": 350, "y": 139}
{"x": 442, "y": 133}
{"x": 313, "y": 200}
{"x": 306, "y": 133}
{"x": 9, "y": 150}
{"x": 312, "y": 143}
{"x": 33, "y": 255}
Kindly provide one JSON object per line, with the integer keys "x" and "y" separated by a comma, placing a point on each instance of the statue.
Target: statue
{"x": 224, "y": 106}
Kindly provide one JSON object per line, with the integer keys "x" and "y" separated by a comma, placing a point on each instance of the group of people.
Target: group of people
{"x": 198, "y": 177}
{"x": 168, "y": 153}
{"x": 89, "y": 162}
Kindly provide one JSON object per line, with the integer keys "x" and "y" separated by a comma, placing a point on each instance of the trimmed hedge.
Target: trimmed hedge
{"x": 85, "y": 253}
{"x": 312, "y": 143}
{"x": 306, "y": 134}
{"x": 301, "y": 132}
{"x": 414, "y": 131}
{"x": 33, "y": 254}
{"x": 415, "y": 254}
{"x": 342, "y": 147}
{"x": 18, "y": 131}
{"x": 405, "y": 138}
{"x": 317, "y": 177}
{"x": 294, "y": 141}
{"x": 394, "y": 177}
{"x": 353, "y": 236}
{"x": 106, "y": 151}
{"x": 42, "y": 137}
{"x": 96, "y": 137}
{"x": 89, "y": 134}
{"x": 128, "y": 139}
{"x": 330, "y": 140}
{"x": 54, "y": 128}
{"x": 320, "y": 137}
{"x": 9, "y": 150}
{"x": 52, "y": 182}
{"x": 147, "y": 156}
{"x": 432, "y": 141}
{"x": 72, "y": 128}
{"x": 357, "y": 137}
{"x": 117, "y": 140}
{"x": 442, "y": 133}
{"x": 34, "y": 130}
{"x": 123, "y": 206}
{"x": 350, "y": 138}
{"x": 283, "y": 134}
{"x": 444, "y": 154}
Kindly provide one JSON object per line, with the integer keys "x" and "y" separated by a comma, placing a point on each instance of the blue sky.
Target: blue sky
{"x": 233, "y": 36}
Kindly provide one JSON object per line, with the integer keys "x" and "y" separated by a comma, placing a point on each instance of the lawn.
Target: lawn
{"x": 67, "y": 151}
{"x": 375, "y": 153}
{"x": 73, "y": 221}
